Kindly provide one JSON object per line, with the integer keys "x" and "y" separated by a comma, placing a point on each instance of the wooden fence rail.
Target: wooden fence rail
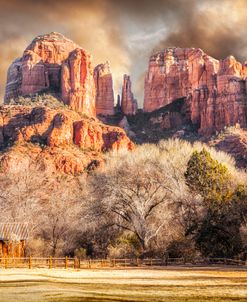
{"x": 76, "y": 263}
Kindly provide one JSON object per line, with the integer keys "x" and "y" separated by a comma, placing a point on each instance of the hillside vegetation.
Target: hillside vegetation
{"x": 174, "y": 198}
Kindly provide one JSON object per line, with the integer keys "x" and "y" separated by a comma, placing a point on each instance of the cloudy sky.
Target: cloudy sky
{"x": 125, "y": 32}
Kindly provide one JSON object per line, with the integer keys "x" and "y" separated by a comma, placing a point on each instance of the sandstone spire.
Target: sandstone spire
{"x": 128, "y": 102}
{"x": 118, "y": 105}
{"x": 104, "y": 89}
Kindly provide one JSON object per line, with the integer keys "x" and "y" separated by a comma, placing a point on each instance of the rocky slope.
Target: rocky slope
{"x": 234, "y": 142}
{"x": 61, "y": 140}
{"x": 53, "y": 63}
{"x": 215, "y": 91}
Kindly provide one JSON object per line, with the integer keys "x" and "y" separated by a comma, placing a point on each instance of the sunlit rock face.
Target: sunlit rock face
{"x": 53, "y": 63}
{"x": 215, "y": 91}
{"x": 60, "y": 140}
{"x": 128, "y": 102}
{"x": 104, "y": 89}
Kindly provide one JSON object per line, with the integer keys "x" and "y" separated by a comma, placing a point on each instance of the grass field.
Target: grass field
{"x": 216, "y": 284}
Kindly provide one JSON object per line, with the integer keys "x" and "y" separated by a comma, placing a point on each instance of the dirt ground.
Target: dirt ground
{"x": 172, "y": 284}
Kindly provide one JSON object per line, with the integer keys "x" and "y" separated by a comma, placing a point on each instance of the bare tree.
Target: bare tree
{"x": 51, "y": 205}
{"x": 20, "y": 194}
{"x": 135, "y": 194}
{"x": 144, "y": 192}
{"x": 61, "y": 220}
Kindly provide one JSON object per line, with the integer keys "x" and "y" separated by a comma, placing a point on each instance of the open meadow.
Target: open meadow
{"x": 173, "y": 284}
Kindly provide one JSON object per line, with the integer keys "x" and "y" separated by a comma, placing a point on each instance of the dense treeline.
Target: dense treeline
{"x": 173, "y": 198}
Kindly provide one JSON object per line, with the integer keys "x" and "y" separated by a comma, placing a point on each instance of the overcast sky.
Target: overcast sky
{"x": 125, "y": 32}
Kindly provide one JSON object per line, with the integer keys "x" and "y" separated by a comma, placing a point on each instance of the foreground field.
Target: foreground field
{"x": 172, "y": 284}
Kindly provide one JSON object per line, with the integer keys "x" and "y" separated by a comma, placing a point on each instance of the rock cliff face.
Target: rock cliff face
{"x": 59, "y": 140}
{"x": 53, "y": 63}
{"x": 104, "y": 90}
{"x": 215, "y": 91}
{"x": 128, "y": 102}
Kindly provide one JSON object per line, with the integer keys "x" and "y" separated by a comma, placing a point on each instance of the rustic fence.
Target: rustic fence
{"x": 76, "y": 263}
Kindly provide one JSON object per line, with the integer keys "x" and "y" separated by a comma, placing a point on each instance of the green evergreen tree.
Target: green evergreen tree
{"x": 208, "y": 177}
{"x": 218, "y": 233}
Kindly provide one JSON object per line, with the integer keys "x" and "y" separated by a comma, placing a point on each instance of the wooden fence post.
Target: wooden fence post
{"x": 30, "y": 262}
{"x": 50, "y": 262}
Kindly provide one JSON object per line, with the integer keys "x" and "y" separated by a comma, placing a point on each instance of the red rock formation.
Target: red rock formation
{"x": 77, "y": 84}
{"x": 60, "y": 139}
{"x": 215, "y": 90}
{"x": 53, "y": 63}
{"x": 128, "y": 102}
{"x": 104, "y": 89}
{"x": 100, "y": 137}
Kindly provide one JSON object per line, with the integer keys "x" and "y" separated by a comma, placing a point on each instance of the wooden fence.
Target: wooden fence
{"x": 76, "y": 263}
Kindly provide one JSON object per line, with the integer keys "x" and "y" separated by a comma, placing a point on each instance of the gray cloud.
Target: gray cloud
{"x": 125, "y": 32}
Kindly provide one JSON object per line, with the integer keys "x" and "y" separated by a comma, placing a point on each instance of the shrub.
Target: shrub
{"x": 81, "y": 253}
{"x": 49, "y": 100}
{"x": 183, "y": 247}
{"x": 125, "y": 246}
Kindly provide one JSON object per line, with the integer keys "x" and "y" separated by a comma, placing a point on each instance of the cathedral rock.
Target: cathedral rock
{"x": 53, "y": 63}
{"x": 104, "y": 89}
{"x": 128, "y": 102}
{"x": 214, "y": 90}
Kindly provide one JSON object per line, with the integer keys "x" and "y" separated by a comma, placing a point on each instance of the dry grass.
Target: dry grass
{"x": 216, "y": 284}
